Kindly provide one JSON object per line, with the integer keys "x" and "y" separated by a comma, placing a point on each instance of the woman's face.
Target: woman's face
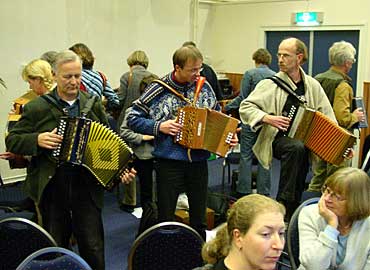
{"x": 37, "y": 85}
{"x": 335, "y": 201}
{"x": 262, "y": 245}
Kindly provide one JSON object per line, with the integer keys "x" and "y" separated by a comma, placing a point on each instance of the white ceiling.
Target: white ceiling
{"x": 228, "y": 2}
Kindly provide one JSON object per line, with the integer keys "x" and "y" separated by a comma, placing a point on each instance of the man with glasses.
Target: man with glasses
{"x": 337, "y": 86}
{"x": 154, "y": 114}
{"x": 264, "y": 111}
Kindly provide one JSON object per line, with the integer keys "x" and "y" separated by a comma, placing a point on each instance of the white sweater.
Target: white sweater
{"x": 317, "y": 251}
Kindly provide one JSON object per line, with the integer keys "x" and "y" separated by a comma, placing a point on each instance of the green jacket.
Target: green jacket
{"x": 329, "y": 81}
{"x": 41, "y": 116}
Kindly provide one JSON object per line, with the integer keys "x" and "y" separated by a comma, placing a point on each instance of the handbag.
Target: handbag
{"x": 220, "y": 203}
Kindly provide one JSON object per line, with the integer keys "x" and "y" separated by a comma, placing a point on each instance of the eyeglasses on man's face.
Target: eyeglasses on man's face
{"x": 194, "y": 70}
{"x": 326, "y": 190}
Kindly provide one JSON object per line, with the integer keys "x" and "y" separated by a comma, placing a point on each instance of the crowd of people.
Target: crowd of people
{"x": 143, "y": 113}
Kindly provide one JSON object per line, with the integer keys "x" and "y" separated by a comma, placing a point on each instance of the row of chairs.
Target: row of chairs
{"x": 26, "y": 245}
{"x": 168, "y": 245}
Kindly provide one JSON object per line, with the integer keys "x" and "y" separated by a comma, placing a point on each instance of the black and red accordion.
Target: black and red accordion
{"x": 95, "y": 147}
{"x": 205, "y": 129}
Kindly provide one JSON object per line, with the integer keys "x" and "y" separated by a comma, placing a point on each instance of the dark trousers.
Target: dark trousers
{"x": 293, "y": 157}
{"x": 144, "y": 168}
{"x": 175, "y": 177}
{"x": 67, "y": 207}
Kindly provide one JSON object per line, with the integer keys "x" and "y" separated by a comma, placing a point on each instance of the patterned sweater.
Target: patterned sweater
{"x": 157, "y": 105}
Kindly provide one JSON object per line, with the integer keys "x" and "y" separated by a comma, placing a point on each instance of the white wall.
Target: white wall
{"x": 111, "y": 28}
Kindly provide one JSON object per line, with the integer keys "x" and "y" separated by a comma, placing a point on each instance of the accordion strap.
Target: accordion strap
{"x": 287, "y": 88}
{"x": 89, "y": 104}
{"x": 181, "y": 96}
{"x": 50, "y": 99}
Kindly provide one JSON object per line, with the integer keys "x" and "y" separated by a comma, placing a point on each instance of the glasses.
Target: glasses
{"x": 353, "y": 60}
{"x": 194, "y": 70}
{"x": 326, "y": 190}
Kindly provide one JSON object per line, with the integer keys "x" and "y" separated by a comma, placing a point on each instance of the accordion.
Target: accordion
{"x": 95, "y": 147}
{"x": 205, "y": 129}
{"x": 321, "y": 135}
{"x": 358, "y": 102}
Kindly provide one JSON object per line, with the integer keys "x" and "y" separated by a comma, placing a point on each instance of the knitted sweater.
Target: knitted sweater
{"x": 157, "y": 105}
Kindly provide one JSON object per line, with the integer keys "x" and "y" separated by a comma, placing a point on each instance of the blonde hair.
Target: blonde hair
{"x": 38, "y": 69}
{"x": 241, "y": 216}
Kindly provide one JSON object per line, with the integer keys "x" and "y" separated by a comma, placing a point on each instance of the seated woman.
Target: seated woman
{"x": 251, "y": 239}
{"x": 335, "y": 233}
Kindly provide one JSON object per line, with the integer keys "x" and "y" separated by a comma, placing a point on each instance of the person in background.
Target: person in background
{"x": 208, "y": 72}
{"x": 130, "y": 89}
{"x": 38, "y": 75}
{"x": 334, "y": 234}
{"x": 252, "y": 238}
{"x": 266, "y": 108}
{"x": 68, "y": 196}
{"x": 261, "y": 58}
{"x": 337, "y": 86}
{"x": 95, "y": 82}
{"x": 154, "y": 114}
{"x": 49, "y": 57}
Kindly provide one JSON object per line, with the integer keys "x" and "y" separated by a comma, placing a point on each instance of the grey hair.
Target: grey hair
{"x": 340, "y": 52}
{"x": 65, "y": 57}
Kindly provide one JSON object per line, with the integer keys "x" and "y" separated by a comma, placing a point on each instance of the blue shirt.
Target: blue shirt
{"x": 250, "y": 79}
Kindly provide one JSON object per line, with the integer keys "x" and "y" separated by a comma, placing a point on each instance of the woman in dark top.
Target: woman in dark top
{"x": 251, "y": 239}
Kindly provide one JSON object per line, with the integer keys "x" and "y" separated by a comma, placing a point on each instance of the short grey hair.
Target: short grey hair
{"x": 340, "y": 52}
{"x": 65, "y": 57}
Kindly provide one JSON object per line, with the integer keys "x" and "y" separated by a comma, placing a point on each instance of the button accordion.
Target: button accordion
{"x": 205, "y": 129}
{"x": 321, "y": 135}
{"x": 95, "y": 147}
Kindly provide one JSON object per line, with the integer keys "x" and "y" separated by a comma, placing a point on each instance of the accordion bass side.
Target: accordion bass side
{"x": 95, "y": 147}
{"x": 205, "y": 129}
{"x": 323, "y": 136}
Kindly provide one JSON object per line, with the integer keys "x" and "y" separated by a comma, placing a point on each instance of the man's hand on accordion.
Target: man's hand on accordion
{"x": 128, "y": 175}
{"x": 49, "y": 140}
{"x": 280, "y": 122}
{"x": 170, "y": 127}
{"x": 235, "y": 140}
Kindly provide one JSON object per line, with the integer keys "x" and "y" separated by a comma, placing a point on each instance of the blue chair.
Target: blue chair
{"x": 293, "y": 234}
{"x": 19, "y": 238}
{"x": 55, "y": 258}
{"x": 167, "y": 245}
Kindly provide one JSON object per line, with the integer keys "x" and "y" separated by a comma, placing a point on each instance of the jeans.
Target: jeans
{"x": 247, "y": 140}
{"x": 175, "y": 177}
{"x": 67, "y": 207}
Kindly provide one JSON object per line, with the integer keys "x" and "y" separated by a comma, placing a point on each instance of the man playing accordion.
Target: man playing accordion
{"x": 154, "y": 114}
{"x": 263, "y": 109}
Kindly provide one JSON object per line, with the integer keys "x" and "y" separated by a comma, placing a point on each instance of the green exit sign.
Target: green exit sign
{"x": 308, "y": 18}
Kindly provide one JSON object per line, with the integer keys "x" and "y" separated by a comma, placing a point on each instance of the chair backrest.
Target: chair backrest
{"x": 19, "y": 238}
{"x": 167, "y": 245}
{"x": 55, "y": 258}
{"x": 293, "y": 234}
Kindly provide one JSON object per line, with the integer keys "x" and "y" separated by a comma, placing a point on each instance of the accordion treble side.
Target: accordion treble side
{"x": 95, "y": 147}
{"x": 205, "y": 129}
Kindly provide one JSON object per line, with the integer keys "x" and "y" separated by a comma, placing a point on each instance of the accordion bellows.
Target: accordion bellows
{"x": 205, "y": 129}
{"x": 95, "y": 147}
{"x": 324, "y": 137}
